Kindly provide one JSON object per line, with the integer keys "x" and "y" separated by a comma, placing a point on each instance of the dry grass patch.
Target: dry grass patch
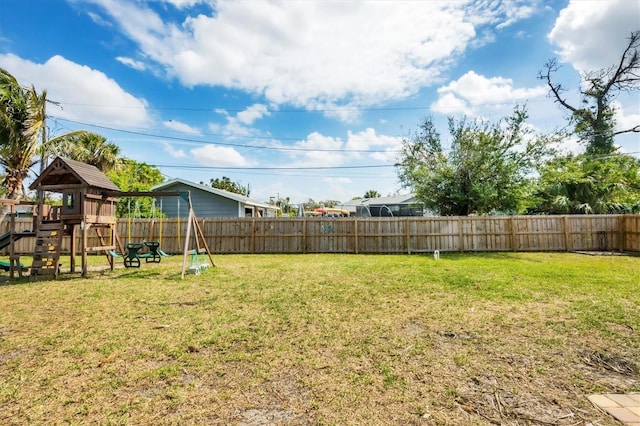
{"x": 325, "y": 339}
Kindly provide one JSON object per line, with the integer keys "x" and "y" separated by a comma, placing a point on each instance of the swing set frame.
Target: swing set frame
{"x": 192, "y": 224}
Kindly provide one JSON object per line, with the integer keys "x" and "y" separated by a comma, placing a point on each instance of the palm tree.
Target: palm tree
{"x": 22, "y": 123}
{"x": 90, "y": 148}
{"x": 21, "y": 118}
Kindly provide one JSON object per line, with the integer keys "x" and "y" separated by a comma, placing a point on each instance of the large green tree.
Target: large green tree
{"x": 90, "y": 148}
{"x": 486, "y": 169}
{"x": 227, "y": 184}
{"x": 593, "y": 118}
{"x": 582, "y": 184}
{"x": 135, "y": 176}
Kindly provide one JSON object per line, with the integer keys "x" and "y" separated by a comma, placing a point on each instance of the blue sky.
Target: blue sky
{"x": 303, "y": 99}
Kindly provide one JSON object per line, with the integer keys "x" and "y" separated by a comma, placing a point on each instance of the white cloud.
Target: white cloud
{"x": 316, "y": 151}
{"x": 219, "y": 156}
{"x": 181, "y": 4}
{"x": 592, "y": 34}
{"x": 253, "y": 113}
{"x": 237, "y": 126}
{"x": 314, "y": 54}
{"x": 321, "y": 151}
{"x": 369, "y": 140}
{"x": 181, "y": 127}
{"x": 132, "y": 63}
{"x": 172, "y": 151}
{"x": 626, "y": 119}
{"x": 99, "y": 19}
{"x": 516, "y": 11}
{"x": 473, "y": 92}
{"x": 85, "y": 94}
{"x": 500, "y": 13}
{"x": 214, "y": 128}
{"x": 450, "y": 104}
{"x": 235, "y": 129}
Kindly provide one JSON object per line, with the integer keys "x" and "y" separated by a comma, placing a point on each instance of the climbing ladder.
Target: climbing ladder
{"x": 47, "y": 250}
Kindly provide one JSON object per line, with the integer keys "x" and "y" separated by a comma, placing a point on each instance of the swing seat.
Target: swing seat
{"x": 132, "y": 258}
{"x": 202, "y": 259}
{"x": 152, "y": 256}
{"x": 194, "y": 263}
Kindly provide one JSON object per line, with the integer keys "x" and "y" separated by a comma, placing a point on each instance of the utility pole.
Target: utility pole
{"x": 43, "y": 155}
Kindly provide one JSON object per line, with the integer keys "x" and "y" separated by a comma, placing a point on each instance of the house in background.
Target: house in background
{"x": 210, "y": 202}
{"x": 394, "y": 206}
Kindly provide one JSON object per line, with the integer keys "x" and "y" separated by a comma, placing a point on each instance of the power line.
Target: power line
{"x": 319, "y": 174}
{"x": 199, "y": 141}
{"x": 184, "y": 166}
{"x": 267, "y": 110}
{"x": 288, "y": 110}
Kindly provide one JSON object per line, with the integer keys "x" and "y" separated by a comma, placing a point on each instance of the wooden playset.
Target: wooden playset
{"x": 88, "y": 205}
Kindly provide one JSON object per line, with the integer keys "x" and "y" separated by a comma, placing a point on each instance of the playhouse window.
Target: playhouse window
{"x": 69, "y": 201}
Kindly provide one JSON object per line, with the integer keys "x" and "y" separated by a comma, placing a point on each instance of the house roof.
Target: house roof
{"x": 396, "y": 199}
{"x": 220, "y": 192}
{"x": 64, "y": 171}
{"x": 382, "y": 201}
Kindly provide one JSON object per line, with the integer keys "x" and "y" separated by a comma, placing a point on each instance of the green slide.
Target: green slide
{"x": 5, "y": 240}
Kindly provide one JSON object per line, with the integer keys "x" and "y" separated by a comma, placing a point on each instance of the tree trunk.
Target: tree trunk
{"x": 13, "y": 194}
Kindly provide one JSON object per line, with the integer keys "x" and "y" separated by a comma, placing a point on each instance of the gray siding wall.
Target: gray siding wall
{"x": 204, "y": 204}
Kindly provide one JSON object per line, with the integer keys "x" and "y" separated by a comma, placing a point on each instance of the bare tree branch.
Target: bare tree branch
{"x": 555, "y": 89}
{"x": 594, "y": 120}
{"x": 635, "y": 129}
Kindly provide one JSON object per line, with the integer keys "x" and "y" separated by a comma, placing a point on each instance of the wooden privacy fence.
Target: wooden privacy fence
{"x": 384, "y": 235}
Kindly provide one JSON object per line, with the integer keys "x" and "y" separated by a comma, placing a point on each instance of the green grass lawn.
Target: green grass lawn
{"x": 324, "y": 339}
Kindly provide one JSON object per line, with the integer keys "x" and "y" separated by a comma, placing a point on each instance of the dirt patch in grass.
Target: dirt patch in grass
{"x": 513, "y": 339}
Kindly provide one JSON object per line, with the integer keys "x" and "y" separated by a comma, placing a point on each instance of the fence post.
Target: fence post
{"x": 253, "y": 236}
{"x": 565, "y": 225}
{"x": 622, "y": 232}
{"x": 355, "y": 234}
{"x": 304, "y": 235}
{"x": 204, "y": 221}
{"x": 460, "y": 236}
{"x": 407, "y": 235}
